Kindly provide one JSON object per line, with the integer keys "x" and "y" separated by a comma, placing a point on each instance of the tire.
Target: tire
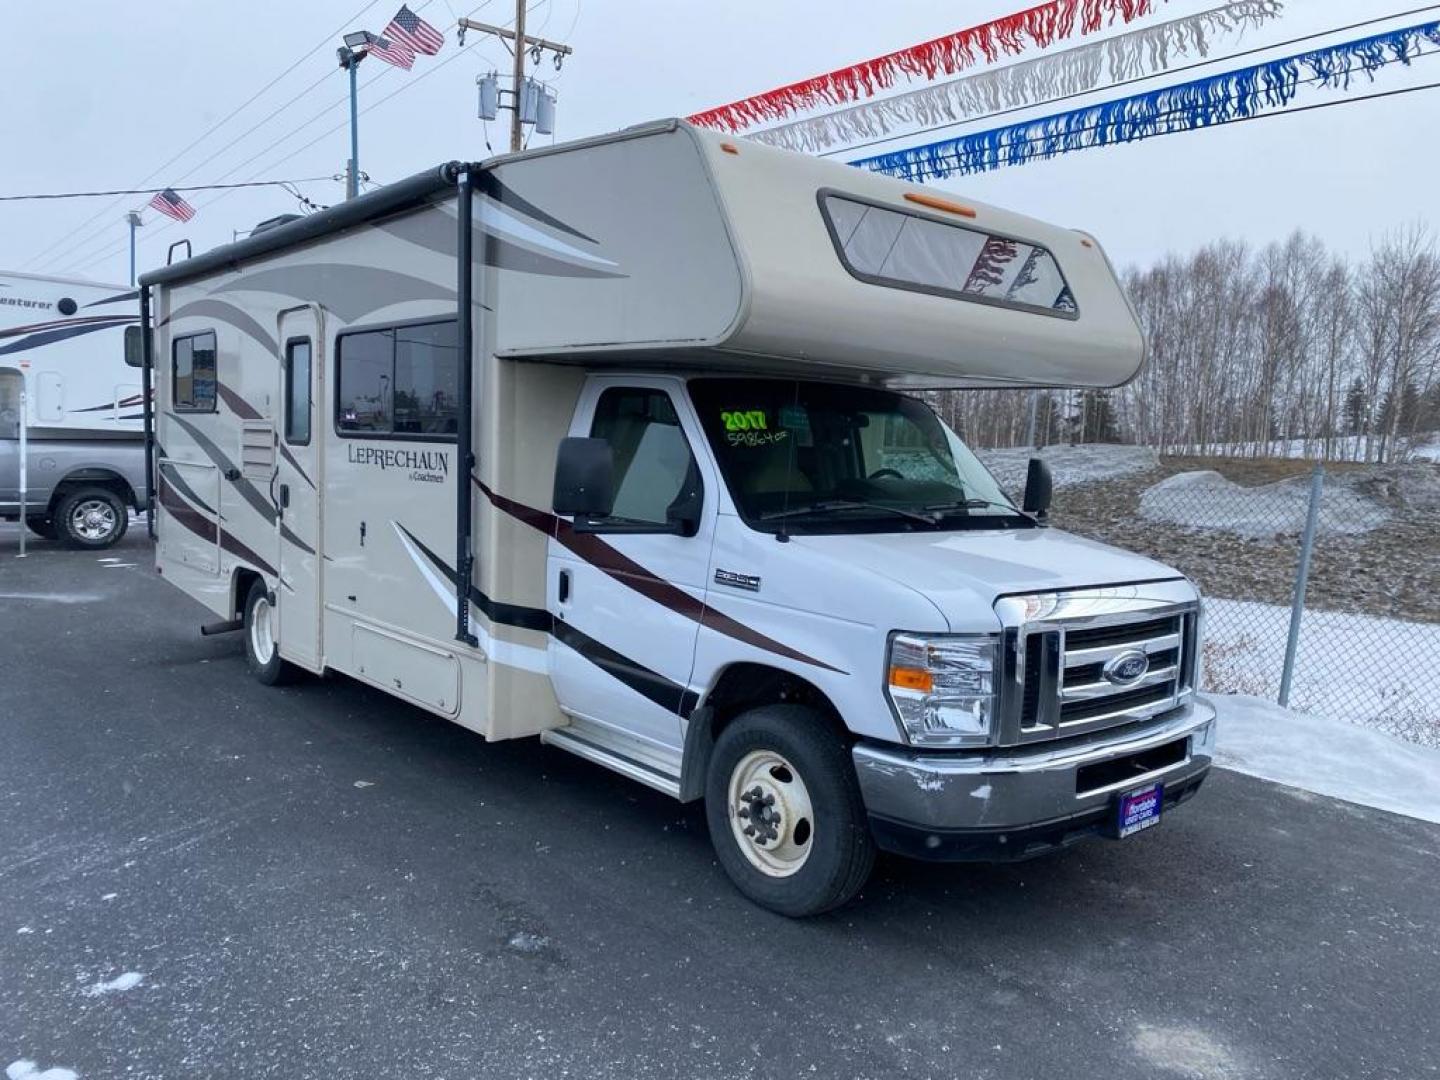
{"x": 791, "y": 756}
{"x": 262, "y": 654}
{"x": 42, "y": 525}
{"x": 91, "y": 518}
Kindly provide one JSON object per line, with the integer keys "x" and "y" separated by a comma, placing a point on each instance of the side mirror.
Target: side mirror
{"x": 584, "y": 478}
{"x": 134, "y": 346}
{"x": 1038, "y": 489}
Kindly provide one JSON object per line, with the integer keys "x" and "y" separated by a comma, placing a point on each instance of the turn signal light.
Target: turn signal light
{"x": 912, "y": 679}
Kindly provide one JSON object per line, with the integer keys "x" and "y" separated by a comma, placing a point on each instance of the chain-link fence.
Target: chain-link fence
{"x": 1364, "y": 642}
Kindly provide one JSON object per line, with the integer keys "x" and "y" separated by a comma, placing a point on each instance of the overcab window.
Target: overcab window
{"x": 192, "y": 368}
{"x": 398, "y": 382}
{"x": 885, "y": 246}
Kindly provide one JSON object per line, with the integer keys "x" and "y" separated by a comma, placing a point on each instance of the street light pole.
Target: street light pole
{"x": 133, "y": 218}
{"x": 355, "y": 49}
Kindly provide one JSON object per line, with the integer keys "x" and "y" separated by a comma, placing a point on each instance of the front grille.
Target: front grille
{"x": 1064, "y": 688}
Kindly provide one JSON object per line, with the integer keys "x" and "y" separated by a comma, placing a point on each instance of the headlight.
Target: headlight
{"x": 943, "y": 688}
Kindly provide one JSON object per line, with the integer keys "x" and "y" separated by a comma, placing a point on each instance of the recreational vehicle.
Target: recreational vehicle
{"x": 69, "y": 401}
{"x": 617, "y": 444}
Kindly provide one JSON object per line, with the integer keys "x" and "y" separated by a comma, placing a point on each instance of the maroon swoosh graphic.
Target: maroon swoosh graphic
{"x": 288, "y": 456}
{"x": 206, "y": 529}
{"x": 238, "y": 405}
{"x": 628, "y": 572}
{"x": 55, "y": 324}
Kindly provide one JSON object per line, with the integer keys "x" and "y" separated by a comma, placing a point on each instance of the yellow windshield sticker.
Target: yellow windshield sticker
{"x": 747, "y": 420}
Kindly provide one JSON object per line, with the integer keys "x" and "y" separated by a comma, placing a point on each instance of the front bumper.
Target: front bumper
{"x": 1017, "y": 802}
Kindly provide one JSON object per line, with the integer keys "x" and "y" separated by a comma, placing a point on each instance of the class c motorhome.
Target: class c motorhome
{"x": 609, "y": 443}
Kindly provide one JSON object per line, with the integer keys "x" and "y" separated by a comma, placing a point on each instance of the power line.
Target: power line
{"x": 1127, "y": 82}
{"x": 152, "y": 191}
{"x": 206, "y": 134}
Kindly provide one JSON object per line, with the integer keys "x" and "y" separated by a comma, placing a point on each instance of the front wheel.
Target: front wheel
{"x": 262, "y": 653}
{"x": 785, "y": 813}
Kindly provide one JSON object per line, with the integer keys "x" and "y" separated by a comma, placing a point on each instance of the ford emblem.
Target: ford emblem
{"x": 1127, "y": 668}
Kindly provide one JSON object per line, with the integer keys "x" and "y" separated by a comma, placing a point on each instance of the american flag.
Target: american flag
{"x": 392, "y": 52}
{"x": 172, "y": 205}
{"x": 414, "y": 32}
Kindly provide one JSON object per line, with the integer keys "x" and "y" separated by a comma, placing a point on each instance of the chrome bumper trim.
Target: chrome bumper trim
{"x": 1018, "y": 787}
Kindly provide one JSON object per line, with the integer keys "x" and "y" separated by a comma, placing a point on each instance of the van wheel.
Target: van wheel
{"x": 785, "y": 813}
{"x": 262, "y": 654}
{"x": 91, "y": 518}
{"x": 42, "y": 525}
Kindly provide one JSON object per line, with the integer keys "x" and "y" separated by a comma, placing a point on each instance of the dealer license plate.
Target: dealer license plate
{"x": 1140, "y": 809}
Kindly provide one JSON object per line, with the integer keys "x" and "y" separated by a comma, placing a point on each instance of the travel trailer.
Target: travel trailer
{"x": 63, "y": 353}
{"x": 610, "y": 444}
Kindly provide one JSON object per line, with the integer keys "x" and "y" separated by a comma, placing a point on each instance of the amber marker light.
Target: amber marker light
{"x": 729, "y": 148}
{"x": 906, "y": 678}
{"x": 934, "y": 202}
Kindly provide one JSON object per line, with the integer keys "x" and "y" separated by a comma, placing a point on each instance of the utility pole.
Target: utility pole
{"x": 519, "y": 43}
{"x": 133, "y": 220}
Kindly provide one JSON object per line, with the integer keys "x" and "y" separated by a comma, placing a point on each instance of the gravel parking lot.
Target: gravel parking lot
{"x": 203, "y": 877}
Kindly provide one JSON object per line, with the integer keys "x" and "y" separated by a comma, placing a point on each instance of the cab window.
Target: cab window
{"x": 657, "y": 481}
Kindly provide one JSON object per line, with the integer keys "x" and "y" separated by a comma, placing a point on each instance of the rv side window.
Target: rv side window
{"x": 656, "y": 478}
{"x": 901, "y": 250}
{"x": 398, "y": 382}
{"x": 297, "y": 391}
{"x": 192, "y": 365}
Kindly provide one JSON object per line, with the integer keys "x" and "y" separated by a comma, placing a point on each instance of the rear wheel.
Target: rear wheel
{"x": 42, "y": 525}
{"x": 785, "y": 812}
{"x": 262, "y": 653}
{"x": 91, "y": 518}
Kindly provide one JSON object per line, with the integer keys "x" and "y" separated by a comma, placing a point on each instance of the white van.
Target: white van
{"x": 608, "y": 443}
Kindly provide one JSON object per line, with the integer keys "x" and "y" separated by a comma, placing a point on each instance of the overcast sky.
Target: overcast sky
{"x": 101, "y": 95}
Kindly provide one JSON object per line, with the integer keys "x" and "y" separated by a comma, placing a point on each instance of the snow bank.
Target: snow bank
{"x": 1327, "y": 756}
{"x": 1206, "y": 500}
{"x": 1070, "y": 465}
{"x": 1382, "y": 673}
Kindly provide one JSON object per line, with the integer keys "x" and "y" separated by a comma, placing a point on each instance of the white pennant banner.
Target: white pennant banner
{"x": 1131, "y": 55}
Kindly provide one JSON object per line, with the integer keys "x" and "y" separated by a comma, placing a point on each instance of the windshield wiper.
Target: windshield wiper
{"x": 976, "y": 504}
{"x": 827, "y": 505}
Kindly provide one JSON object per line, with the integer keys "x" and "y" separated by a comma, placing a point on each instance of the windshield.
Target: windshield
{"x": 819, "y": 457}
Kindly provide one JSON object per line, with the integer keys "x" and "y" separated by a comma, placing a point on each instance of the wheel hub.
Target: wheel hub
{"x": 770, "y": 813}
{"x": 93, "y": 519}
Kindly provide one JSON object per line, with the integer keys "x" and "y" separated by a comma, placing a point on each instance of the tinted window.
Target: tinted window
{"x": 193, "y": 372}
{"x": 399, "y": 381}
{"x": 903, "y": 250}
{"x": 655, "y": 473}
{"x": 297, "y": 391}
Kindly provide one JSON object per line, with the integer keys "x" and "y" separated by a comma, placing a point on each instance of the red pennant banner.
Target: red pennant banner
{"x": 1035, "y": 27}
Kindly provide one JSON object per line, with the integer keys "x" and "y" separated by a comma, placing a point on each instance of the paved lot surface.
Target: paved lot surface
{"x": 319, "y": 881}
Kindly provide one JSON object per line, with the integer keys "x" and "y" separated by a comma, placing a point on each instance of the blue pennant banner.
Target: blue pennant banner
{"x": 1218, "y": 99}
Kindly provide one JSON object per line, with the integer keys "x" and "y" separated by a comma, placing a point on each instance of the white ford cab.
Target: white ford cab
{"x": 616, "y": 444}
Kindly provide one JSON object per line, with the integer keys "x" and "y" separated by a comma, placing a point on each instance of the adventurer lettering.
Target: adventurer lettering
{"x": 433, "y": 464}
{"x": 18, "y": 301}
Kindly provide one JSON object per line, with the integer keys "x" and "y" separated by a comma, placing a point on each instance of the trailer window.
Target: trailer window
{"x": 297, "y": 391}
{"x": 398, "y": 382}
{"x": 192, "y": 366}
{"x": 656, "y": 478}
{"x": 901, "y": 250}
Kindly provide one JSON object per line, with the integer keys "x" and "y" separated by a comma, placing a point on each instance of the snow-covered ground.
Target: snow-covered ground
{"x": 1345, "y": 448}
{"x": 1362, "y": 669}
{"x": 1207, "y": 500}
{"x": 1070, "y": 465}
{"x": 1327, "y": 756}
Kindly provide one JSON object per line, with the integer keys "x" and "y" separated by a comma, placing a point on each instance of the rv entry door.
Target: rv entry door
{"x": 298, "y": 484}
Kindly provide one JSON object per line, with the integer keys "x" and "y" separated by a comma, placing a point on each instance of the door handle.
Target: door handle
{"x": 564, "y": 590}
{"x": 284, "y": 496}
